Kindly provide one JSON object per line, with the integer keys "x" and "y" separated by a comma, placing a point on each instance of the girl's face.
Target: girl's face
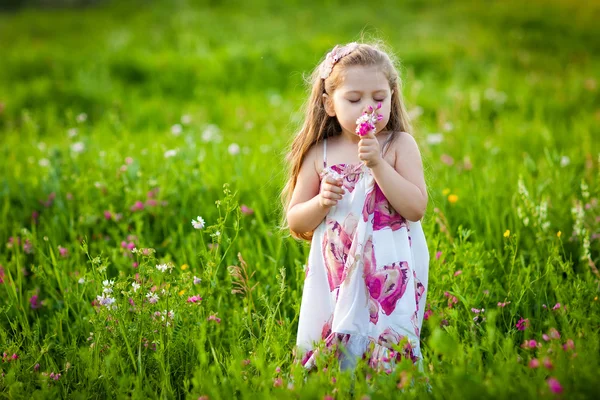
{"x": 361, "y": 87}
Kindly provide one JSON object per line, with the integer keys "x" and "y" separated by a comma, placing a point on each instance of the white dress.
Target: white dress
{"x": 366, "y": 278}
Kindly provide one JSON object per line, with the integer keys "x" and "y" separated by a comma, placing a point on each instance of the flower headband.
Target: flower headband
{"x": 334, "y": 56}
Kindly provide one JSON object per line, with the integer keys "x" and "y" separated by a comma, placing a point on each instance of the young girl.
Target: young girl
{"x": 359, "y": 200}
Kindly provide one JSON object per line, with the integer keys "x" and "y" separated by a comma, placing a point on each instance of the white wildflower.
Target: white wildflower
{"x": 152, "y": 297}
{"x": 198, "y": 223}
{"x": 162, "y": 267}
{"x": 170, "y": 153}
{"x": 77, "y": 147}
{"x": 234, "y": 149}
{"x": 136, "y": 286}
{"x": 435, "y": 138}
{"x": 186, "y": 119}
{"x": 176, "y": 129}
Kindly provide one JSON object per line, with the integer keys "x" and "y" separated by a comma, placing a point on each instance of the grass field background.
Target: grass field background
{"x": 121, "y": 122}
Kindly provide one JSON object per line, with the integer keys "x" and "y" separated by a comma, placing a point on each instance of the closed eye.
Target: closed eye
{"x": 356, "y": 101}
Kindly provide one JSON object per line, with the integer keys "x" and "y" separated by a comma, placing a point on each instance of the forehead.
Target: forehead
{"x": 364, "y": 79}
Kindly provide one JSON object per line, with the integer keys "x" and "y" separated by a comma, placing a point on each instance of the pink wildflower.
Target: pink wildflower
{"x": 33, "y": 301}
{"x": 107, "y": 214}
{"x": 438, "y": 255}
{"x": 246, "y": 210}
{"x": 545, "y": 337}
{"x": 277, "y": 382}
{"x": 554, "y": 334}
{"x": 366, "y": 123}
{"x": 534, "y": 363}
{"x": 213, "y": 317}
{"x": 547, "y": 363}
{"x": 569, "y": 345}
{"x": 427, "y": 314}
{"x": 458, "y": 272}
{"x": 63, "y": 252}
{"x": 523, "y": 324}
{"x": 556, "y": 307}
{"x": 554, "y": 385}
{"x": 137, "y": 206}
{"x": 194, "y": 299}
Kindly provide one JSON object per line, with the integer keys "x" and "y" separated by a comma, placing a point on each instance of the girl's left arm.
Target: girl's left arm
{"x": 404, "y": 184}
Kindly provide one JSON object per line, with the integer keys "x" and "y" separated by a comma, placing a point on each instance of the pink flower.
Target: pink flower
{"x": 246, "y": 210}
{"x": 570, "y": 345}
{"x": 458, "y": 272}
{"x": 366, "y": 123}
{"x": 427, "y": 314}
{"x": 554, "y": 333}
{"x": 545, "y": 337}
{"x": 15, "y": 356}
{"x": 63, "y": 251}
{"x": 534, "y": 363}
{"x": 277, "y": 382}
{"x": 35, "y": 216}
{"x": 438, "y": 255}
{"x": 554, "y": 385}
{"x": 137, "y": 206}
{"x": 213, "y": 317}
{"x": 446, "y": 159}
{"x": 547, "y": 363}
{"x": 523, "y": 324}
{"x": 107, "y": 214}
{"x": 33, "y": 301}
{"x": 2, "y": 275}
{"x": 532, "y": 344}
{"x": 556, "y": 307}
{"x": 36, "y": 367}
{"x": 194, "y": 299}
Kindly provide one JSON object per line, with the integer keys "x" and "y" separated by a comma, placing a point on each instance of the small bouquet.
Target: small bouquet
{"x": 366, "y": 122}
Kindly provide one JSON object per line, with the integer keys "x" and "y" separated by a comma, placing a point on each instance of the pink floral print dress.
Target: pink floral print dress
{"x": 366, "y": 278}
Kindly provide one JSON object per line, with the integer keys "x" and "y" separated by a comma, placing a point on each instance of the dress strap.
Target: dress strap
{"x": 325, "y": 153}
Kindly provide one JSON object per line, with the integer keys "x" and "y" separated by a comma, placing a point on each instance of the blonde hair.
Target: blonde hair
{"x": 318, "y": 124}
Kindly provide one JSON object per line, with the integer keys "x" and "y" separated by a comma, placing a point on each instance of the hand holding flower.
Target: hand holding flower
{"x": 369, "y": 150}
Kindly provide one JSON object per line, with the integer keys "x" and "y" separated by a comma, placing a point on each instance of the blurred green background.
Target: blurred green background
{"x": 102, "y": 102}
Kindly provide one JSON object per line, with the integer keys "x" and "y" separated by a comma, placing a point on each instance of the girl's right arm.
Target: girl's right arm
{"x": 312, "y": 199}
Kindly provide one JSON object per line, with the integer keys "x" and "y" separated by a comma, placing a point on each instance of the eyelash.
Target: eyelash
{"x": 356, "y": 101}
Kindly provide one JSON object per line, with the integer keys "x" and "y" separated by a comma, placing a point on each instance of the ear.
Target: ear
{"x": 328, "y": 104}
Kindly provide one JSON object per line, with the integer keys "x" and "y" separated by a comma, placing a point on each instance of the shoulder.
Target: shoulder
{"x": 404, "y": 144}
{"x": 406, "y": 151}
{"x": 312, "y": 157}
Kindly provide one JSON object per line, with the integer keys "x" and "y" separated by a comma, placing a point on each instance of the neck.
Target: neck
{"x": 349, "y": 137}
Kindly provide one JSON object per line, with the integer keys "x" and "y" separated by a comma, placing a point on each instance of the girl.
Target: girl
{"x": 359, "y": 200}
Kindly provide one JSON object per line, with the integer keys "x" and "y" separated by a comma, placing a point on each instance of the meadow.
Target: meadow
{"x": 122, "y": 122}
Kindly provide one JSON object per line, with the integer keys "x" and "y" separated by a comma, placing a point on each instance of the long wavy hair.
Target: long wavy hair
{"x": 317, "y": 125}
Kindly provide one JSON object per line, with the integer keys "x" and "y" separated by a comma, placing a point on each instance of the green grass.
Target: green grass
{"x": 513, "y": 87}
